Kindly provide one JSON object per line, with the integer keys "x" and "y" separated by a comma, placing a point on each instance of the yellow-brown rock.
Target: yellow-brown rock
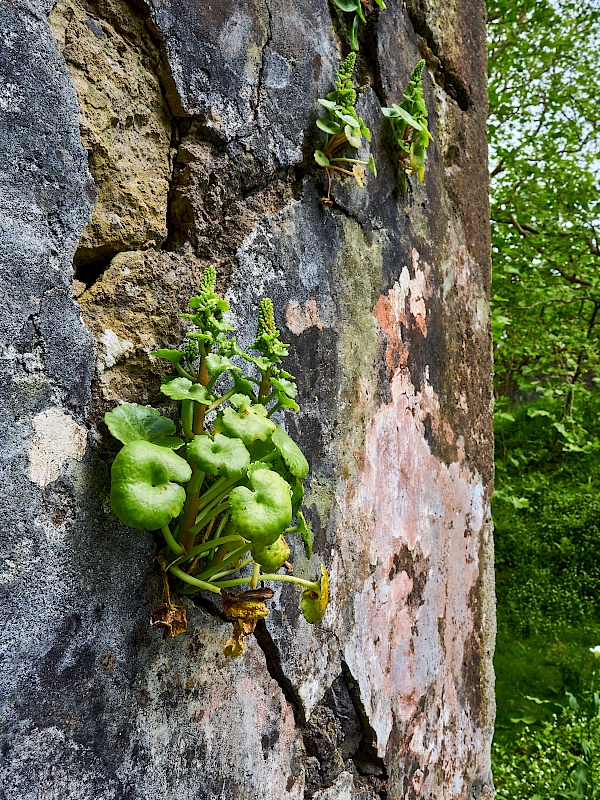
{"x": 124, "y": 120}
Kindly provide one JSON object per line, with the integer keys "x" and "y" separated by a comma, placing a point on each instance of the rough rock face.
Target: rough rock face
{"x": 198, "y": 122}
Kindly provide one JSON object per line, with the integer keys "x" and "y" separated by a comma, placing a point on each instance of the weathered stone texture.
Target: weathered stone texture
{"x": 125, "y": 122}
{"x": 198, "y": 122}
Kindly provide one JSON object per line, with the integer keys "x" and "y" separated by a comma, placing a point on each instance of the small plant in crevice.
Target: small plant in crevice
{"x": 225, "y": 506}
{"x": 408, "y": 121}
{"x": 344, "y": 127}
{"x": 358, "y": 7}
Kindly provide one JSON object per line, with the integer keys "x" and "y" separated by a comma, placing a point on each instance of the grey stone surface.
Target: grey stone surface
{"x": 383, "y": 298}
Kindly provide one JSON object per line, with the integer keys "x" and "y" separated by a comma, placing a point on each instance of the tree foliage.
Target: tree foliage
{"x": 544, "y": 142}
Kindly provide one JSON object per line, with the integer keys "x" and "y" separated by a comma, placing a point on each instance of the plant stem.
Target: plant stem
{"x": 219, "y": 489}
{"x": 209, "y": 587}
{"x": 216, "y": 403}
{"x": 187, "y": 418}
{"x": 284, "y": 578}
{"x": 339, "y": 169}
{"x": 190, "y": 509}
{"x": 207, "y": 516}
{"x": 235, "y": 569}
{"x": 236, "y": 554}
{"x": 350, "y": 160}
{"x": 265, "y": 384}
{"x": 213, "y": 544}
{"x": 173, "y": 545}
{"x": 183, "y": 372}
{"x": 255, "y": 575}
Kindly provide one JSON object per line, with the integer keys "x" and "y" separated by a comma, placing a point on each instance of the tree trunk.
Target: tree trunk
{"x": 198, "y": 119}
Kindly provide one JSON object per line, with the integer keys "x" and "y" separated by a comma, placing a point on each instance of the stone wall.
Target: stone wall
{"x": 139, "y": 142}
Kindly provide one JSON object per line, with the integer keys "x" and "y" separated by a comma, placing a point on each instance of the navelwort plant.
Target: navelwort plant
{"x": 409, "y": 127}
{"x": 225, "y": 506}
{"x": 359, "y": 7}
{"x": 343, "y": 127}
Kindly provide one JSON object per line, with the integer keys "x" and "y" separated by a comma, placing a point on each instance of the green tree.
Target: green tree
{"x": 544, "y": 58}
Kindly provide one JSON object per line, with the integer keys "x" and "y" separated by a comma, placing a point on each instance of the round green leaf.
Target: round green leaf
{"x": 263, "y": 512}
{"x": 133, "y": 423}
{"x": 145, "y": 491}
{"x": 401, "y": 112}
{"x": 221, "y": 456}
{"x": 353, "y": 136}
{"x": 247, "y": 424}
{"x": 273, "y": 556}
{"x": 354, "y": 123}
{"x": 327, "y": 103}
{"x": 329, "y": 126}
{"x": 216, "y": 365}
{"x": 184, "y": 389}
{"x": 321, "y": 158}
{"x": 290, "y": 452}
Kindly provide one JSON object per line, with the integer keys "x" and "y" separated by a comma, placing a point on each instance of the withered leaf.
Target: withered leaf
{"x": 257, "y": 594}
{"x": 243, "y": 607}
{"x": 234, "y": 646}
{"x": 171, "y": 618}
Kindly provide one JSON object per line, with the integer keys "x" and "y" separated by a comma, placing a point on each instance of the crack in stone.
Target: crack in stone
{"x": 262, "y": 61}
{"x": 368, "y": 57}
{"x": 275, "y": 670}
{"x": 338, "y": 737}
{"x": 128, "y": 156}
{"x": 443, "y": 70}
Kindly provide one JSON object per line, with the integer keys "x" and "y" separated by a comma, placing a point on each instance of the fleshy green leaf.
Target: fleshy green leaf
{"x": 371, "y": 165}
{"x": 184, "y": 389}
{"x": 272, "y": 556}
{"x": 331, "y": 104}
{"x": 314, "y": 601}
{"x": 401, "y": 112}
{"x": 305, "y": 532}
{"x": 346, "y": 5}
{"x": 247, "y": 424}
{"x": 263, "y": 512}
{"x": 290, "y": 452}
{"x": 244, "y": 386}
{"x": 288, "y": 388}
{"x": 174, "y": 356}
{"x": 132, "y": 423}
{"x": 353, "y": 136}
{"x": 145, "y": 491}
{"x": 321, "y": 158}
{"x": 221, "y": 456}
{"x": 329, "y": 126}
{"x": 216, "y": 365}
{"x": 354, "y": 123}
{"x": 353, "y": 33}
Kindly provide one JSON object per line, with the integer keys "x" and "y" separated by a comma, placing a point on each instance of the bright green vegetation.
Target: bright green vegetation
{"x": 544, "y": 143}
{"x": 343, "y": 127}
{"x": 226, "y": 504}
{"x": 548, "y": 585}
{"x": 357, "y": 8}
{"x": 408, "y": 121}
{"x": 543, "y": 132}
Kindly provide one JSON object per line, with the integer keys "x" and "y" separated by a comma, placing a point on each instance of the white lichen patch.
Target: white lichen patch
{"x": 114, "y": 347}
{"x": 57, "y": 438}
